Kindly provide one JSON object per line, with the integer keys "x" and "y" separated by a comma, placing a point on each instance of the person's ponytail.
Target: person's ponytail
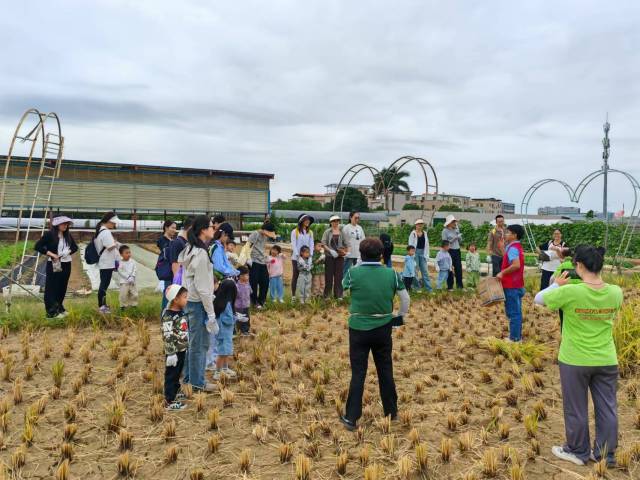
{"x": 105, "y": 218}
{"x": 590, "y": 256}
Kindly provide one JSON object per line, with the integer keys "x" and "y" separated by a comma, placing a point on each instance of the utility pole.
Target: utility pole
{"x": 605, "y": 169}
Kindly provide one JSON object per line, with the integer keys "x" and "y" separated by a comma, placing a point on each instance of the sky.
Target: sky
{"x": 495, "y": 94}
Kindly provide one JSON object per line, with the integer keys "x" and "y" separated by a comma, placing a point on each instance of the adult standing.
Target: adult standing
{"x": 258, "y": 273}
{"x": 301, "y": 236}
{"x": 550, "y": 250}
{"x": 420, "y": 241}
{"x": 373, "y": 288}
{"x": 197, "y": 278}
{"x": 221, "y": 265}
{"x": 451, "y": 233}
{"x": 587, "y": 357}
{"x": 176, "y": 247}
{"x": 163, "y": 264}
{"x": 107, "y": 248}
{"x": 58, "y": 245}
{"x": 495, "y": 245}
{"x": 336, "y": 245}
{"x": 355, "y": 234}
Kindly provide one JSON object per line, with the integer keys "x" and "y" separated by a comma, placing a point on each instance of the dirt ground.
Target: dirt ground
{"x": 293, "y": 375}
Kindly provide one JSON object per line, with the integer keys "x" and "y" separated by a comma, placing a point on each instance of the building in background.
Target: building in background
{"x": 323, "y": 198}
{"x": 434, "y": 202}
{"x": 487, "y": 205}
{"x": 96, "y": 187}
{"x": 558, "y": 210}
{"x": 508, "y": 208}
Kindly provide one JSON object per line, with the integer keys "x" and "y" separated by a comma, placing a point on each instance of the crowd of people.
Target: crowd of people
{"x": 209, "y": 291}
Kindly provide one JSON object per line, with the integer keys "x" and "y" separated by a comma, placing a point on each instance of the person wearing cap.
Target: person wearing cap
{"x": 175, "y": 335}
{"x": 336, "y": 245}
{"x": 420, "y": 241}
{"x": 258, "y": 273}
{"x": 107, "y": 248}
{"x": 355, "y": 233}
{"x": 58, "y": 245}
{"x": 301, "y": 236}
{"x": 451, "y": 233}
{"x": 222, "y": 268}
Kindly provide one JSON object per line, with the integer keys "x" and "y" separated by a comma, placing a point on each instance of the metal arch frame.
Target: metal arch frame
{"x": 575, "y": 196}
{"x": 399, "y": 164}
{"x": 354, "y": 170}
{"x": 52, "y": 147}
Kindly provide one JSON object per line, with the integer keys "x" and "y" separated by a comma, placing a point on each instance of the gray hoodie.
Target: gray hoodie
{"x": 197, "y": 276}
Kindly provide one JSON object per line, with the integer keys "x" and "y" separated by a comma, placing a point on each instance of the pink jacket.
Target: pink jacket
{"x": 275, "y": 266}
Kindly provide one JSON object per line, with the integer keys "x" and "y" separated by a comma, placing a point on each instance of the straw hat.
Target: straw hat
{"x": 449, "y": 219}
{"x": 303, "y": 216}
{"x": 333, "y": 218}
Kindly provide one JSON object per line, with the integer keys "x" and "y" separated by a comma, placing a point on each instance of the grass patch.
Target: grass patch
{"x": 9, "y": 252}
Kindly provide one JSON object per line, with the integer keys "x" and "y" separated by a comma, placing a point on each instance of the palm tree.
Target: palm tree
{"x": 393, "y": 180}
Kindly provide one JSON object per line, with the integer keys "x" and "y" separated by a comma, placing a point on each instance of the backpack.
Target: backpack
{"x": 91, "y": 255}
{"x": 163, "y": 266}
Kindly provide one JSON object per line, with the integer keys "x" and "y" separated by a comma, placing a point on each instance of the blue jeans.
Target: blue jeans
{"x": 513, "y": 309}
{"x": 276, "y": 288}
{"x": 422, "y": 265}
{"x": 442, "y": 278}
{"x": 198, "y": 344}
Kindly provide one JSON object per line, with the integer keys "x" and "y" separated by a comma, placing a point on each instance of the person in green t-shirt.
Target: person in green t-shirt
{"x": 587, "y": 356}
{"x": 373, "y": 288}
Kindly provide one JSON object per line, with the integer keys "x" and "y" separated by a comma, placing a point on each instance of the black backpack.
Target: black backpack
{"x": 91, "y": 255}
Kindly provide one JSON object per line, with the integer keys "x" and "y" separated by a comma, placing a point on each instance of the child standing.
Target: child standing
{"x": 443, "y": 263}
{"x": 275, "y": 267}
{"x": 243, "y": 302}
{"x": 303, "y": 286}
{"x": 226, "y": 295}
{"x": 472, "y": 261}
{"x": 175, "y": 333}
{"x": 512, "y": 277}
{"x": 127, "y": 270}
{"x": 317, "y": 270}
{"x": 409, "y": 272}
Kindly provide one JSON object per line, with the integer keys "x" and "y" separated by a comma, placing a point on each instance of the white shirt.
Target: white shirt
{"x": 127, "y": 270}
{"x": 104, "y": 240}
{"x": 555, "y": 261}
{"x": 355, "y": 235}
{"x": 64, "y": 250}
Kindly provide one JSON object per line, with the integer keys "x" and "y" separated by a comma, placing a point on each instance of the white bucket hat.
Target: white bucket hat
{"x": 172, "y": 292}
{"x": 419, "y": 222}
{"x": 60, "y": 220}
{"x": 333, "y": 218}
{"x": 115, "y": 220}
{"x": 449, "y": 219}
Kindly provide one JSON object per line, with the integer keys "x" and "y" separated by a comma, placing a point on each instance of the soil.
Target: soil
{"x": 439, "y": 353}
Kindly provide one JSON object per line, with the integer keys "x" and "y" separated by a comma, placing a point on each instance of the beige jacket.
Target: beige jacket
{"x": 197, "y": 276}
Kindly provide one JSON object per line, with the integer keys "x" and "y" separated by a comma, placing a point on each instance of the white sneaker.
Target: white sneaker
{"x": 229, "y": 373}
{"x": 211, "y": 367}
{"x": 559, "y": 452}
{"x": 216, "y": 374}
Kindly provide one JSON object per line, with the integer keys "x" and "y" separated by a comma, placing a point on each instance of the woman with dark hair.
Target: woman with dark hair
{"x": 107, "y": 249}
{"x": 301, "y": 236}
{"x": 197, "y": 278}
{"x": 451, "y": 233}
{"x": 551, "y": 257}
{"x": 373, "y": 288}
{"x": 163, "y": 264}
{"x": 58, "y": 245}
{"x": 222, "y": 267}
{"x": 587, "y": 357}
{"x": 335, "y": 244}
{"x": 355, "y": 234}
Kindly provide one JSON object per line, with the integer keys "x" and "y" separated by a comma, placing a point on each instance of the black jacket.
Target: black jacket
{"x": 49, "y": 243}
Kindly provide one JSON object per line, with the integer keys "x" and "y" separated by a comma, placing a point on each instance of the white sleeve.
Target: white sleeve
{"x": 539, "y": 300}
{"x": 404, "y": 302}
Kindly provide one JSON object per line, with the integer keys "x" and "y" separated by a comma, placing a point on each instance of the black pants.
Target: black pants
{"x": 456, "y": 258}
{"x": 379, "y": 342}
{"x": 172, "y": 378}
{"x": 333, "y": 272}
{"x": 105, "y": 280}
{"x": 244, "y": 327}
{"x": 55, "y": 288}
{"x": 496, "y": 264}
{"x": 259, "y": 281}
{"x": 561, "y": 315}
{"x": 408, "y": 282}
{"x": 545, "y": 278}
{"x": 294, "y": 277}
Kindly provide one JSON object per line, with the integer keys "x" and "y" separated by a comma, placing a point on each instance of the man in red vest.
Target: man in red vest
{"x": 512, "y": 277}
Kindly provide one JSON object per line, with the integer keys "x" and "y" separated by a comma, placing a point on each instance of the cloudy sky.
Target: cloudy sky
{"x": 496, "y": 94}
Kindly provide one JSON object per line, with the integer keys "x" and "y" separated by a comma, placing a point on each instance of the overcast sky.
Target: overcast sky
{"x": 495, "y": 94}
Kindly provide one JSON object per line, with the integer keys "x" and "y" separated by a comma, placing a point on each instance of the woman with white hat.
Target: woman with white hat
{"x": 420, "y": 241}
{"x": 301, "y": 236}
{"x": 107, "y": 249}
{"x": 58, "y": 245}
{"x": 452, "y": 234}
{"x": 335, "y": 244}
